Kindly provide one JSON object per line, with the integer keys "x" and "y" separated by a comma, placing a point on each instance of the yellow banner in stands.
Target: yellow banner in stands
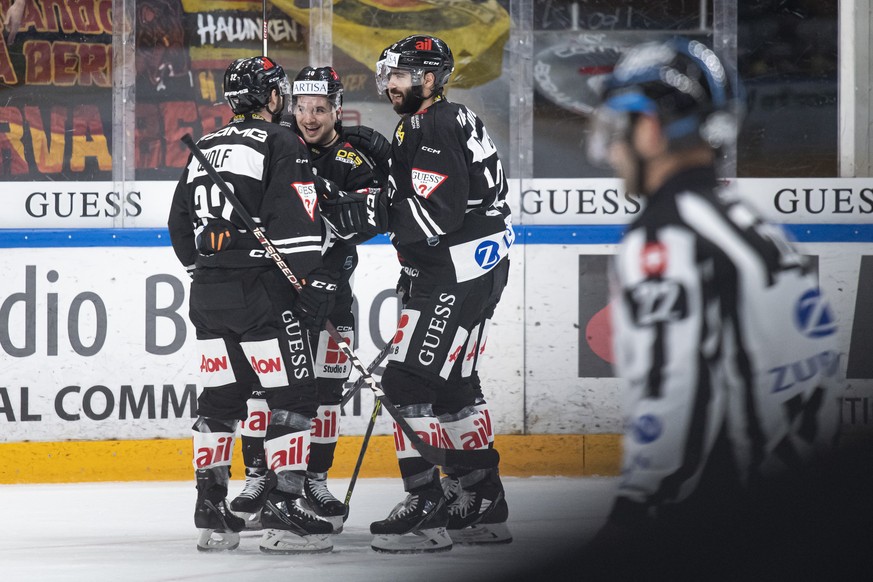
{"x": 475, "y": 31}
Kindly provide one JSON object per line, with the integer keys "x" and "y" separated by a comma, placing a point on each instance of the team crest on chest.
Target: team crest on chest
{"x": 426, "y": 182}
{"x": 308, "y": 196}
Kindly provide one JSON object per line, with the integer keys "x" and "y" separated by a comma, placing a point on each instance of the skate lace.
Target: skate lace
{"x": 404, "y": 508}
{"x": 462, "y": 505}
{"x": 451, "y": 487}
{"x": 318, "y": 489}
{"x": 299, "y": 507}
{"x": 254, "y": 487}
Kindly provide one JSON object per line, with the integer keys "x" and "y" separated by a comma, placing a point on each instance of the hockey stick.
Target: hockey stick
{"x": 264, "y": 23}
{"x": 360, "y": 381}
{"x": 364, "y": 444}
{"x": 474, "y": 459}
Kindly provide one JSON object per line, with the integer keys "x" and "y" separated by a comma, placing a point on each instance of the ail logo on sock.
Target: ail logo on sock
{"x": 212, "y": 449}
{"x": 288, "y": 452}
{"x": 427, "y": 428}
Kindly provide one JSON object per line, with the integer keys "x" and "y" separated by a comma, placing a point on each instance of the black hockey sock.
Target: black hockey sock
{"x": 254, "y": 457}
{"x": 321, "y": 457}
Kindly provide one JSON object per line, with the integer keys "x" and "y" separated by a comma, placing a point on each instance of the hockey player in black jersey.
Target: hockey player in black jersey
{"x": 726, "y": 341}
{"x": 451, "y": 225}
{"x": 316, "y": 115}
{"x": 251, "y": 326}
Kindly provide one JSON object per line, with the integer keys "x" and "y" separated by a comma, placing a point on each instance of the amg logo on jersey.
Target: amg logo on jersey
{"x": 426, "y": 182}
{"x": 308, "y": 196}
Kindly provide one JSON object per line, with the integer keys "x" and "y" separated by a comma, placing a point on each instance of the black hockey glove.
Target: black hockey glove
{"x": 373, "y": 145}
{"x": 363, "y": 211}
{"x": 404, "y": 284}
{"x": 316, "y": 300}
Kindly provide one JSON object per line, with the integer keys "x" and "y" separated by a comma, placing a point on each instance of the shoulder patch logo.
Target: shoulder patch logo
{"x": 426, "y": 182}
{"x": 399, "y": 133}
{"x": 653, "y": 261}
{"x": 308, "y": 196}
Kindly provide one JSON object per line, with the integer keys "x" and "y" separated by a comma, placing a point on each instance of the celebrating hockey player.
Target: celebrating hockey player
{"x": 450, "y": 223}
{"x": 316, "y": 115}
{"x": 725, "y": 340}
{"x": 251, "y": 326}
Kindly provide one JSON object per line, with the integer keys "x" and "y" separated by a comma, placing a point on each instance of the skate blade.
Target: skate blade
{"x": 217, "y": 541}
{"x": 418, "y": 542}
{"x": 335, "y": 521}
{"x": 482, "y": 533}
{"x": 253, "y": 520}
{"x": 277, "y": 541}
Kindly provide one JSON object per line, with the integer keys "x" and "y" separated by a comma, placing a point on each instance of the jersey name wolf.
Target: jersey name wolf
{"x": 449, "y": 218}
{"x": 721, "y": 331}
{"x": 268, "y": 169}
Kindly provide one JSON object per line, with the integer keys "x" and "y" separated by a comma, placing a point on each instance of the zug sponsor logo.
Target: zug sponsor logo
{"x": 799, "y": 371}
{"x": 813, "y": 315}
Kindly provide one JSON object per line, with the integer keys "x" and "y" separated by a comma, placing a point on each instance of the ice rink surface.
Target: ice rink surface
{"x": 120, "y": 532}
{"x": 124, "y": 532}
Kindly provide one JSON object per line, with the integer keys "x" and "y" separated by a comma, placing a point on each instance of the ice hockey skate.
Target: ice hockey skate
{"x": 416, "y": 525}
{"x": 219, "y": 527}
{"x": 249, "y": 503}
{"x": 292, "y": 526}
{"x": 477, "y": 514}
{"x": 322, "y": 501}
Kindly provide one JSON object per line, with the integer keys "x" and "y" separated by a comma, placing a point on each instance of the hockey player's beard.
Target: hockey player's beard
{"x": 410, "y": 101}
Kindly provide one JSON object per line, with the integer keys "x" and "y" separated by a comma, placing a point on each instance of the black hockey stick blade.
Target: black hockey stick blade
{"x": 477, "y": 459}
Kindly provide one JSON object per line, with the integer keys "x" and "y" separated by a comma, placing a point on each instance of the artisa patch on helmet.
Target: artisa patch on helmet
{"x": 310, "y": 88}
{"x": 308, "y": 196}
{"x": 426, "y": 182}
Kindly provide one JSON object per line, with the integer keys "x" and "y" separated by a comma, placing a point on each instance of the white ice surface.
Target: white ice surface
{"x": 123, "y": 532}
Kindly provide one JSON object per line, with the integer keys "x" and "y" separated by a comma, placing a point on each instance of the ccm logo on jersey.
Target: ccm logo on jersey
{"x": 430, "y": 150}
{"x": 426, "y": 182}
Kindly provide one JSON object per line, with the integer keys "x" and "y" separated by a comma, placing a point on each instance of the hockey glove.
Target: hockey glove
{"x": 218, "y": 235}
{"x": 373, "y": 145}
{"x": 316, "y": 300}
{"x": 363, "y": 211}
{"x": 404, "y": 284}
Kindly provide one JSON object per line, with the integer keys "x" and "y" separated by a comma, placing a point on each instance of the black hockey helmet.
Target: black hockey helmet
{"x": 248, "y": 83}
{"x": 319, "y": 81}
{"x": 681, "y": 82}
{"x": 419, "y": 54}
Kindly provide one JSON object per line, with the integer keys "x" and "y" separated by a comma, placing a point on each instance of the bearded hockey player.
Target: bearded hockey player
{"x": 451, "y": 226}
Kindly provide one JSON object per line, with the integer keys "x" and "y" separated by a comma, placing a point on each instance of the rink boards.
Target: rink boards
{"x": 100, "y": 373}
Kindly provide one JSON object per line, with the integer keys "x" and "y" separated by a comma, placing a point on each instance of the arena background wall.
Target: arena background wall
{"x": 99, "y": 371}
